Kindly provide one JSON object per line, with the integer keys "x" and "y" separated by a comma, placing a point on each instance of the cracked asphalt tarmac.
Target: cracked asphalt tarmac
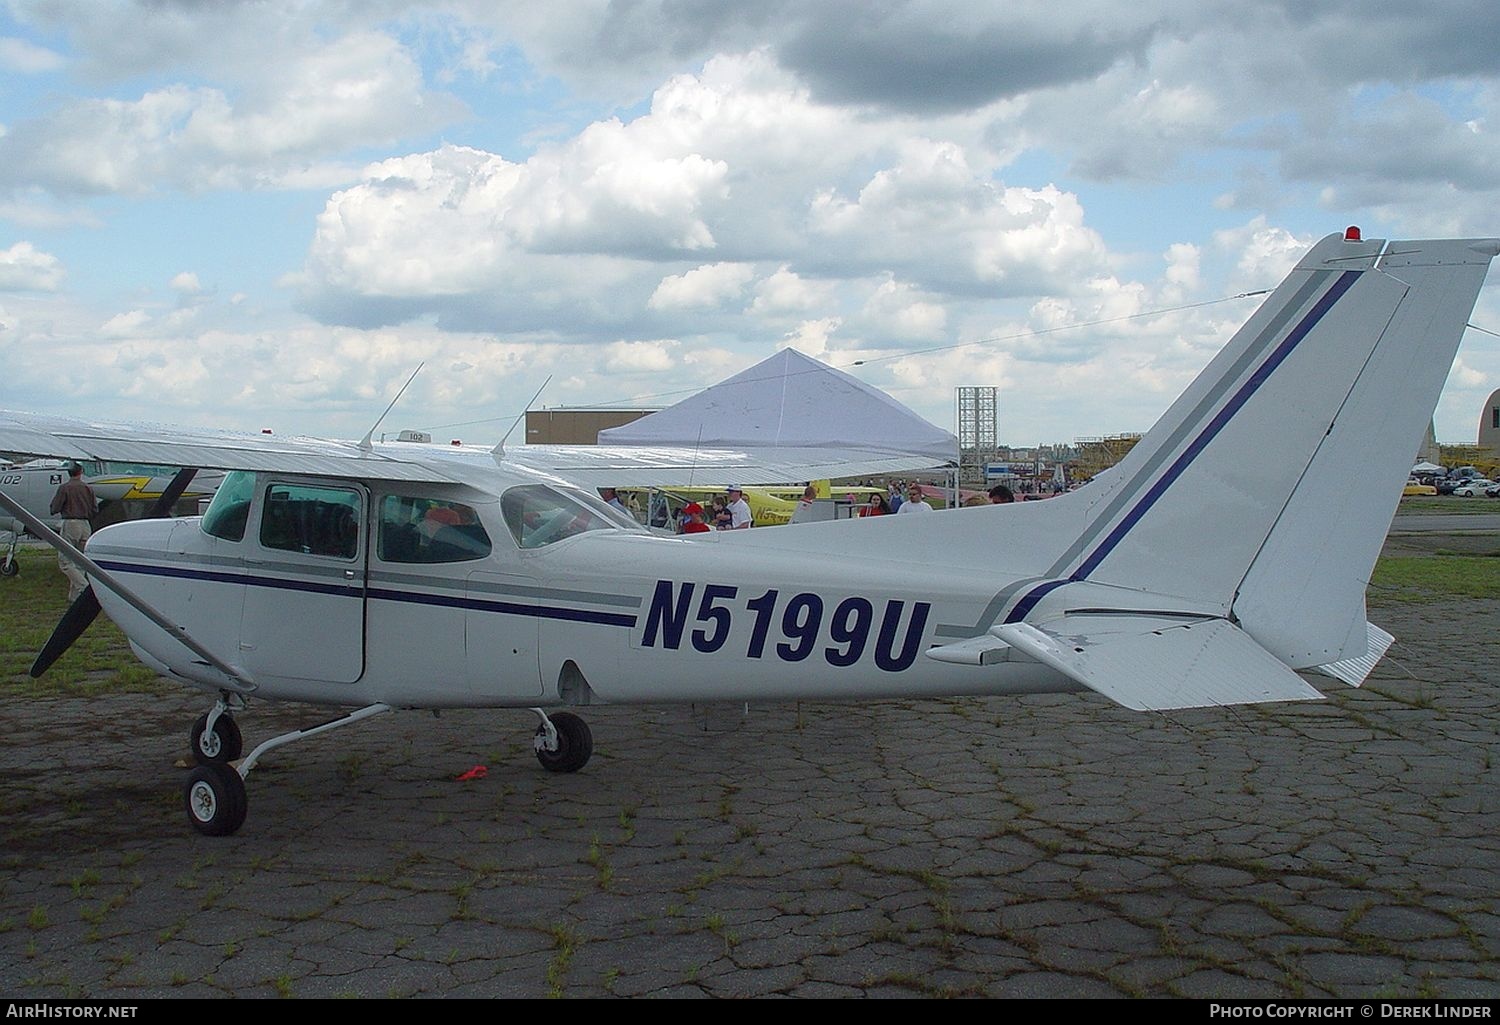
{"x": 1041, "y": 846}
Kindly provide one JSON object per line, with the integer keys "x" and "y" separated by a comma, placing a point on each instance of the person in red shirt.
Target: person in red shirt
{"x": 694, "y": 524}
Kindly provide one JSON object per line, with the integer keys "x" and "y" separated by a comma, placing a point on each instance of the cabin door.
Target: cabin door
{"x": 304, "y": 615}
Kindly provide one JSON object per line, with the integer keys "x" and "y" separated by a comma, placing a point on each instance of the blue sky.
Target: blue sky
{"x": 267, "y": 214}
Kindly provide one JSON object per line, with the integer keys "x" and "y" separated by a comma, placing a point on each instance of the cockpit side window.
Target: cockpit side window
{"x": 312, "y": 520}
{"x": 430, "y": 530}
{"x": 230, "y": 507}
{"x": 539, "y": 516}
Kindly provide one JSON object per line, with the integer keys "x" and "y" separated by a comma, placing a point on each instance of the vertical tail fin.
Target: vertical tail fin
{"x": 1267, "y": 488}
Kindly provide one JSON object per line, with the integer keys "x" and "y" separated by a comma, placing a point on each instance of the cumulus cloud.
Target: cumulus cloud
{"x": 22, "y": 57}
{"x": 951, "y": 55}
{"x": 185, "y": 283}
{"x": 1263, "y": 253}
{"x": 951, "y": 229}
{"x": 899, "y": 313}
{"x": 125, "y": 325}
{"x": 34, "y": 209}
{"x": 361, "y": 89}
{"x": 926, "y": 56}
{"x": 1355, "y": 149}
{"x": 630, "y": 357}
{"x": 784, "y": 292}
{"x": 24, "y": 268}
{"x": 705, "y": 181}
{"x": 706, "y": 287}
{"x": 725, "y": 161}
{"x": 814, "y": 337}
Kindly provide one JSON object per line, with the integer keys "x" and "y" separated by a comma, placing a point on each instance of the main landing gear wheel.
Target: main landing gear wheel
{"x": 10, "y": 567}
{"x": 215, "y": 799}
{"x": 221, "y": 745}
{"x": 575, "y": 743}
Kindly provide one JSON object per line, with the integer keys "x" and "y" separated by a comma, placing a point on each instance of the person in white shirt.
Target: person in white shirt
{"x": 914, "y": 503}
{"x": 739, "y": 510}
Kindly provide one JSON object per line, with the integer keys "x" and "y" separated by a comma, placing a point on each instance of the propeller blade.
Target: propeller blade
{"x": 73, "y": 623}
{"x": 85, "y": 607}
{"x": 162, "y": 507}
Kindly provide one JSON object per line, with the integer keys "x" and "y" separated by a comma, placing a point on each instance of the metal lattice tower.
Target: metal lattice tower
{"x": 978, "y": 429}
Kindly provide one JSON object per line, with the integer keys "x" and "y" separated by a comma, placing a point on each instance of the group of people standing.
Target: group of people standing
{"x": 731, "y": 513}
{"x": 912, "y": 499}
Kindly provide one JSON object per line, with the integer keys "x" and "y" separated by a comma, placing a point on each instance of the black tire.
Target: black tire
{"x": 10, "y": 567}
{"x": 215, "y": 800}
{"x": 223, "y": 745}
{"x": 575, "y": 744}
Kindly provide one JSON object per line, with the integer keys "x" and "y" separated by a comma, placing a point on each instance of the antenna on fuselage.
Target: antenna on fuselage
{"x": 367, "y": 444}
{"x": 499, "y": 450}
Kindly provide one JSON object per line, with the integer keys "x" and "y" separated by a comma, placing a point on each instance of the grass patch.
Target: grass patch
{"x": 564, "y": 945}
{"x": 31, "y": 603}
{"x": 1445, "y": 505}
{"x": 1415, "y": 579}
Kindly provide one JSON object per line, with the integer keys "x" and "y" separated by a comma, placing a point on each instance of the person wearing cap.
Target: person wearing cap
{"x": 75, "y": 502}
{"x": 694, "y": 524}
{"x": 739, "y": 509}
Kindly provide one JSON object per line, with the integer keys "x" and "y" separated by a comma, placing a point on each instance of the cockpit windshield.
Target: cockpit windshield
{"x": 538, "y": 515}
{"x": 230, "y": 507}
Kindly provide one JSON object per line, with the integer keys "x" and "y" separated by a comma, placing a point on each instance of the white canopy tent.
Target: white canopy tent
{"x": 792, "y": 401}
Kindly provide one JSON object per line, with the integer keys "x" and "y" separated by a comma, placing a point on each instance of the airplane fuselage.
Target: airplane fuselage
{"x": 607, "y": 615}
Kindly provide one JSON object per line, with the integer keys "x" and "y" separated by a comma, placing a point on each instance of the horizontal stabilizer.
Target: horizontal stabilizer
{"x": 1354, "y": 670}
{"x": 974, "y": 651}
{"x": 1156, "y": 663}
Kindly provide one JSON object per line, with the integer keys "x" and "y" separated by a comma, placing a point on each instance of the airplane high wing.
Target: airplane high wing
{"x": 586, "y": 465}
{"x": 1222, "y": 557}
{"x": 661, "y": 466}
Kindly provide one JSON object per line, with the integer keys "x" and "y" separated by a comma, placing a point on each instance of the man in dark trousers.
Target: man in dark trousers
{"x": 74, "y": 501}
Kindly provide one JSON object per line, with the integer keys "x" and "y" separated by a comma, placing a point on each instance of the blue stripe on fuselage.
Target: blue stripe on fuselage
{"x": 350, "y": 590}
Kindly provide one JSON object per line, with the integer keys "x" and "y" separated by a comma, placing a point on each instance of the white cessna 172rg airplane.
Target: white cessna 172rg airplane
{"x": 1223, "y": 554}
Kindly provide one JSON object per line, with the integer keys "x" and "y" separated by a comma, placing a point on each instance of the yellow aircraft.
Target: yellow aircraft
{"x": 662, "y": 507}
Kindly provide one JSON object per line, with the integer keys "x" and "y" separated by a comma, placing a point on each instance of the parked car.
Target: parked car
{"x": 1470, "y": 488}
{"x": 1416, "y": 487}
{"x": 1493, "y": 492}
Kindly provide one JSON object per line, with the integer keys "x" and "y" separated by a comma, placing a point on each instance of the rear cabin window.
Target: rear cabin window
{"x": 230, "y": 507}
{"x": 311, "y": 520}
{"x": 428, "y": 530}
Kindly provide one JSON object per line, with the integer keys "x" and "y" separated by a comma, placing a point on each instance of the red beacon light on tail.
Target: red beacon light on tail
{"x": 1351, "y": 233}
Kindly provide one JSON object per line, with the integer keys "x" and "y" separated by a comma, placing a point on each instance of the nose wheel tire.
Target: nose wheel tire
{"x": 222, "y": 745}
{"x": 575, "y": 743}
{"x": 9, "y": 567}
{"x": 215, "y": 799}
